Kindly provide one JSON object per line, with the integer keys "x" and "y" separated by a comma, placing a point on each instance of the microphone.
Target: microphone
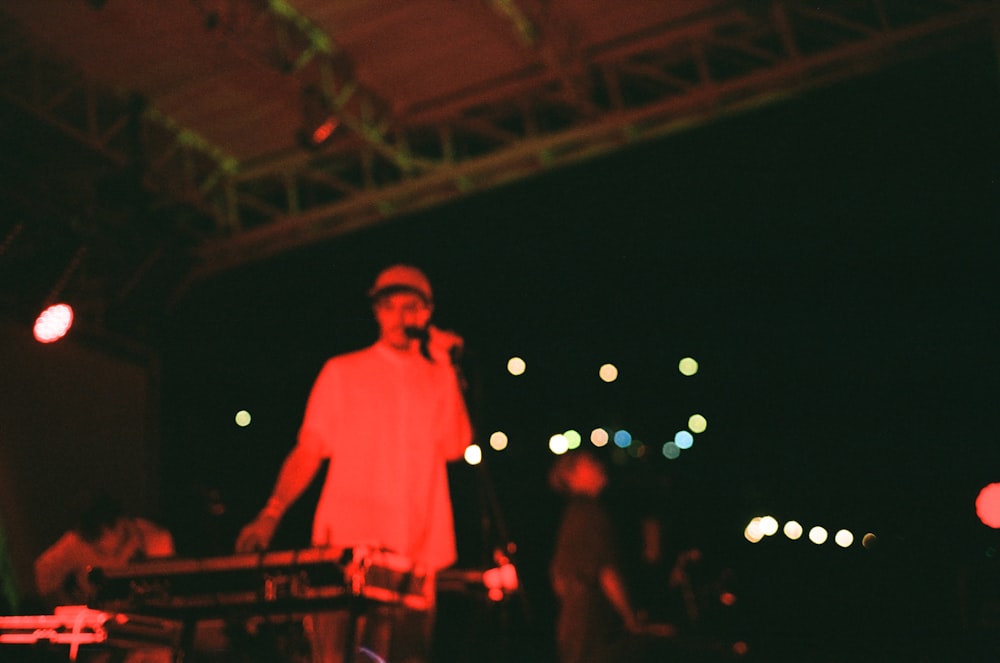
{"x": 423, "y": 335}
{"x": 417, "y": 333}
{"x": 441, "y": 338}
{"x": 453, "y": 341}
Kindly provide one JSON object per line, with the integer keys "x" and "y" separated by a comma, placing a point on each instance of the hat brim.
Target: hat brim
{"x": 376, "y": 293}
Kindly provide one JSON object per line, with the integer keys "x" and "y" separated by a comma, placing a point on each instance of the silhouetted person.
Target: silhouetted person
{"x": 596, "y": 616}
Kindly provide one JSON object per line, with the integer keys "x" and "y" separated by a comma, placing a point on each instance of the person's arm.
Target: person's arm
{"x": 55, "y": 566}
{"x": 613, "y": 586}
{"x": 295, "y": 476}
{"x": 444, "y": 347}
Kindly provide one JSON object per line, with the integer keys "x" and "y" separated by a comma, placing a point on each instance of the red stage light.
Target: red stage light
{"x": 324, "y": 131}
{"x": 988, "y": 505}
{"x": 53, "y": 323}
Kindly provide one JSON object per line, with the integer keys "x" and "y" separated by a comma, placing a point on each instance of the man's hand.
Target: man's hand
{"x": 256, "y": 535}
{"x": 443, "y": 345}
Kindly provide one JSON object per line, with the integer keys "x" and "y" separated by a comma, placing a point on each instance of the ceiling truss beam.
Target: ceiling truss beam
{"x": 719, "y": 65}
{"x": 575, "y": 105}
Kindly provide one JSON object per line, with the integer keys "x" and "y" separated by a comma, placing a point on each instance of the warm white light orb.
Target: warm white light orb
{"x": 752, "y": 532}
{"x": 844, "y": 538}
{"x": 818, "y": 535}
{"x": 558, "y": 444}
{"x": 516, "y": 366}
{"x": 793, "y": 530}
{"x": 473, "y": 454}
{"x": 498, "y": 441}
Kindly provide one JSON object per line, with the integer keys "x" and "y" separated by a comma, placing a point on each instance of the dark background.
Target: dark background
{"x": 831, "y": 263}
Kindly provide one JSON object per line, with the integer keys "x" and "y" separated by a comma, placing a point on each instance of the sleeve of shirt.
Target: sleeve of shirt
{"x": 316, "y": 419}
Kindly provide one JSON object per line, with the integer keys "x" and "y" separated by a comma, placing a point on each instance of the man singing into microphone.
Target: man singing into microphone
{"x": 387, "y": 417}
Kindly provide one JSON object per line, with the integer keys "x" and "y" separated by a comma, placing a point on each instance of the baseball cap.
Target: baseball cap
{"x": 401, "y": 278}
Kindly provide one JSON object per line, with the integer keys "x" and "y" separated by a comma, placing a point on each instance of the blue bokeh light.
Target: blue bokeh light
{"x": 683, "y": 439}
{"x": 622, "y": 438}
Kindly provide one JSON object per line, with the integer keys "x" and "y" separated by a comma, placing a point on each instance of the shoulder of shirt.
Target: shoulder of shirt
{"x": 69, "y": 538}
{"x": 350, "y": 357}
{"x": 367, "y": 356}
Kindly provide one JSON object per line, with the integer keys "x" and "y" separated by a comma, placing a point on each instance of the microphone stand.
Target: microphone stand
{"x": 498, "y": 548}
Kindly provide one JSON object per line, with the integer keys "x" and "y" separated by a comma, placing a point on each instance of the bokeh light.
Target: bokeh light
{"x": 622, "y": 438}
{"x": 670, "y": 451}
{"x": 608, "y": 372}
{"x": 573, "y": 439}
{"x": 697, "y": 423}
{"x": 516, "y": 366}
{"x": 242, "y": 418}
{"x": 844, "y": 538}
{"x": 498, "y": 441}
{"x": 769, "y": 525}
{"x": 753, "y": 531}
{"x": 688, "y": 366}
{"x": 793, "y": 530}
{"x": 53, "y": 323}
{"x": 988, "y": 505}
{"x": 818, "y": 535}
{"x": 558, "y": 444}
{"x": 683, "y": 439}
{"x": 599, "y": 437}
{"x": 473, "y": 454}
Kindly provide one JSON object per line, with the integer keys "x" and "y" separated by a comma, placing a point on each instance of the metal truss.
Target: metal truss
{"x": 385, "y": 162}
{"x": 580, "y": 105}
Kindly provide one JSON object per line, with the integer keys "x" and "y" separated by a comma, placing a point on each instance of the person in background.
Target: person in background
{"x": 387, "y": 418}
{"x": 596, "y": 618}
{"x": 103, "y": 537}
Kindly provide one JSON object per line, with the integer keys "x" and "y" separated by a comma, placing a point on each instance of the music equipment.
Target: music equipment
{"x": 76, "y": 625}
{"x": 276, "y": 582}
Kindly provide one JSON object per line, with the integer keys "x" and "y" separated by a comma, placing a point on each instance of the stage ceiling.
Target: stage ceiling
{"x": 148, "y": 146}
